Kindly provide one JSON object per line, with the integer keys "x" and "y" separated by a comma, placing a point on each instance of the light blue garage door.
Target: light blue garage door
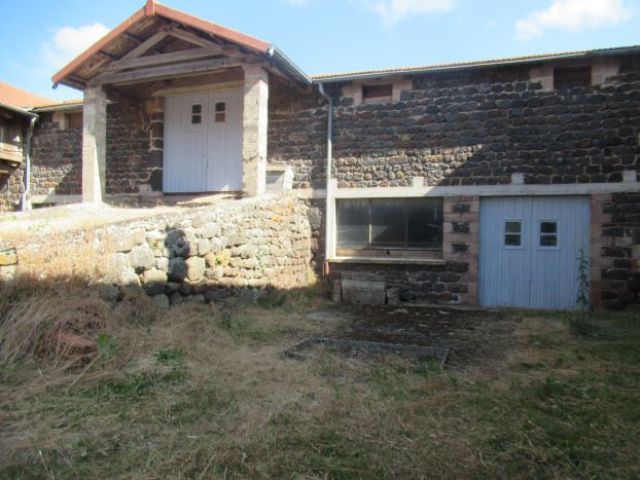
{"x": 530, "y": 249}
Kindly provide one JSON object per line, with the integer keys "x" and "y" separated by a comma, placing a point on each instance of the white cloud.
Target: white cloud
{"x": 393, "y": 11}
{"x": 69, "y": 42}
{"x": 572, "y": 15}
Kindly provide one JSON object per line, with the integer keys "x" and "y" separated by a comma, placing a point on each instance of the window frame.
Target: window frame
{"x": 540, "y": 234}
{"x": 196, "y": 111}
{"x": 220, "y": 115}
{"x": 373, "y": 250}
{"x": 503, "y": 240}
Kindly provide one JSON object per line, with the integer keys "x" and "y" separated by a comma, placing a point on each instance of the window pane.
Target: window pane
{"x": 513, "y": 227}
{"x": 220, "y": 117}
{"x": 196, "y": 119}
{"x": 548, "y": 240}
{"x": 548, "y": 227}
{"x": 512, "y": 240}
{"x": 196, "y": 109}
{"x": 220, "y": 107}
{"x": 388, "y": 223}
{"x": 353, "y": 224}
{"x": 424, "y": 218}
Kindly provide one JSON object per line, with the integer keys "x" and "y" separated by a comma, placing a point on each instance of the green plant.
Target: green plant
{"x": 107, "y": 346}
{"x": 170, "y": 356}
{"x": 583, "y": 280}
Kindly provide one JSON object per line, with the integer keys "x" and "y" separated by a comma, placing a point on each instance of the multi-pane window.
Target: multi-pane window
{"x": 389, "y": 224}
{"x": 548, "y": 233}
{"x": 512, "y": 233}
{"x": 221, "y": 112}
{"x": 196, "y": 114}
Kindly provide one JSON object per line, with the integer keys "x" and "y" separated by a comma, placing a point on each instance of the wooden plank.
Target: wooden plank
{"x": 164, "y": 58}
{"x": 191, "y": 38}
{"x": 157, "y": 73}
{"x": 146, "y": 45}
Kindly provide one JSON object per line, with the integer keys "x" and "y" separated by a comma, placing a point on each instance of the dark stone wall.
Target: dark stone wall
{"x": 56, "y": 158}
{"x": 466, "y": 128}
{"x": 437, "y": 284}
{"x": 297, "y": 132}
{"x": 134, "y": 151}
{"x": 620, "y": 268}
{"x": 11, "y": 189}
{"x": 131, "y": 161}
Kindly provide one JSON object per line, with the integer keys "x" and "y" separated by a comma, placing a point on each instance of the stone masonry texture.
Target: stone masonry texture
{"x": 205, "y": 252}
{"x": 467, "y": 128}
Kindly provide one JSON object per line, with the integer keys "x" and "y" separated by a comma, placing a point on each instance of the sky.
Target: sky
{"x": 325, "y": 36}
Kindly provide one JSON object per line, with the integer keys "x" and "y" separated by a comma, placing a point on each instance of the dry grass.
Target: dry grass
{"x": 202, "y": 392}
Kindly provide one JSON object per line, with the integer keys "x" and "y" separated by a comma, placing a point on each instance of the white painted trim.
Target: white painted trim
{"x": 486, "y": 190}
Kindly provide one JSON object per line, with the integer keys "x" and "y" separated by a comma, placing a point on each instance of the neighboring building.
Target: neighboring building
{"x": 15, "y": 131}
{"x": 503, "y": 183}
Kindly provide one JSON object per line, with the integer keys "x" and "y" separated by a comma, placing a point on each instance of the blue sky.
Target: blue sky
{"x": 324, "y": 36}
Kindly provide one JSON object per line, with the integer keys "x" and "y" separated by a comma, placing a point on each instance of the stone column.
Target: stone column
{"x": 461, "y": 245}
{"x": 94, "y": 145}
{"x": 254, "y": 124}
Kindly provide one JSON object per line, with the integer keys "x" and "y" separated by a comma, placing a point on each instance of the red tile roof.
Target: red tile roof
{"x": 151, "y": 9}
{"x": 18, "y": 98}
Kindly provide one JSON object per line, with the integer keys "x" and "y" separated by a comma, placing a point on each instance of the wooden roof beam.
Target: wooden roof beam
{"x": 162, "y": 72}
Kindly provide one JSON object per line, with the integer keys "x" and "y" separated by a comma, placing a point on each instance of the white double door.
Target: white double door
{"x": 203, "y": 142}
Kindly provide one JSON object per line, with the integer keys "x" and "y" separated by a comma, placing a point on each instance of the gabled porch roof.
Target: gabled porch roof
{"x": 162, "y": 31}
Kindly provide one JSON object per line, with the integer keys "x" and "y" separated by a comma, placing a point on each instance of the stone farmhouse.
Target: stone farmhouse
{"x": 508, "y": 182}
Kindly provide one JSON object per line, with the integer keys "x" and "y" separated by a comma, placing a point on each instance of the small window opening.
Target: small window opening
{"x": 377, "y": 93}
{"x": 512, "y": 233}
{"x": 548, "y": 234}
{"x": 221, "y": 112}
{"x": 74, "y": 120}
{"x": 196, "y": 114}
{"x": 571, "y": 77}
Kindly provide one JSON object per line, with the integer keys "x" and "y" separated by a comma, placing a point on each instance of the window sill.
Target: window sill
{"x": 389, "y": 260}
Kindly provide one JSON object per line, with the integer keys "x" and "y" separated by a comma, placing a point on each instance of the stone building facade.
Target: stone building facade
{"x": 548, "y": 127}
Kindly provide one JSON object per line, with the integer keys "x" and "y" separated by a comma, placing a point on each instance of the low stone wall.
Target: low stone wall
{"x": 201, "y": 252}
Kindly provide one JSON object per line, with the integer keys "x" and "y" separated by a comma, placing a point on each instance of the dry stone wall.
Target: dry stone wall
{"x": 200, "y": 253}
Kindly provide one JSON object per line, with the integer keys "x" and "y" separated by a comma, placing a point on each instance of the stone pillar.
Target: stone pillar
{"x": 254, "y": 124}
{"x": 460, "y": 245}
{"x": 94, "y": 145}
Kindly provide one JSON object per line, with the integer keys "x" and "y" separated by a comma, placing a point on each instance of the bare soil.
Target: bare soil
{"x": 472, "y": 336}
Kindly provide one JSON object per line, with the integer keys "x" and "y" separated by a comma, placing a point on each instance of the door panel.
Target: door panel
{"x": 203, "y": 142}
{"x": 225, "y": 141}
{"x": 541, "y": 272}
{"x": 185, "y": 154}
{"x": 504, "y": 280}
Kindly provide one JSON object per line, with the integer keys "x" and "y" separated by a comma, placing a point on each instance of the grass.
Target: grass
{"x": 202, "y": 393}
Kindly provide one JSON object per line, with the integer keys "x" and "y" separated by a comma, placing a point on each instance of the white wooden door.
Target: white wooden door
{"x": 530, "y": 250}
{"x": 203, "y": 142}
{"x": 225, "y": 141}
{"x": 185, "y": 143}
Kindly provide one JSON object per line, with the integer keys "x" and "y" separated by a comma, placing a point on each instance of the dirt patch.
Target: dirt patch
{"x": 472, "y": 336}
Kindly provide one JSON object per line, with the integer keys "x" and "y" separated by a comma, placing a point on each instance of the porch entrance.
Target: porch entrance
{"x": 203, "y": 142}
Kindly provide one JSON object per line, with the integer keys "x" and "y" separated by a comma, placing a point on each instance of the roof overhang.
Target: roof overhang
{"x": 19, "y": 111}
{"x": 152, "y": 10}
